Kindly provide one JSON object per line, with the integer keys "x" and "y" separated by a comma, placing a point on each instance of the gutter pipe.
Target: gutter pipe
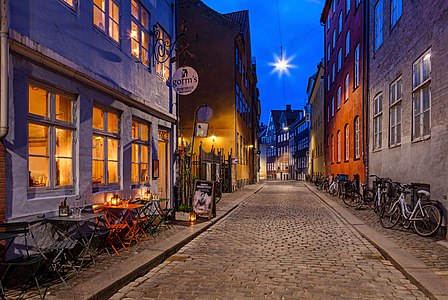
{"x": 4, "y": 61}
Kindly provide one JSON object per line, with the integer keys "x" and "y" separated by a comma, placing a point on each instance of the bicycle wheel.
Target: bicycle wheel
{"x": 427, "y": 219}
{"x": 390, "y": 214}
{"x": 353, "y": 199}
{"x": 368, "y": 197}
{"x": 378, "y": 203}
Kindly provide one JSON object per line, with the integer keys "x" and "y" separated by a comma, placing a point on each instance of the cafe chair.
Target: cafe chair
{"x": 116, "y": 228}
{"x": 26, "y": 260}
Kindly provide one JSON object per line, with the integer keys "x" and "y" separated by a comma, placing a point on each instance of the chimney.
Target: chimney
{"x": 288, "y": 107}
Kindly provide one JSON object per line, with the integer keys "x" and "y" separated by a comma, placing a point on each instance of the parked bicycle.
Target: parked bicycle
{"x": 375, "y": 197}
{"x": 425, "y": 216}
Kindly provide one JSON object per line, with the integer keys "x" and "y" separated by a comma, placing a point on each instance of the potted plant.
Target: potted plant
{"x": 185, "y": 213}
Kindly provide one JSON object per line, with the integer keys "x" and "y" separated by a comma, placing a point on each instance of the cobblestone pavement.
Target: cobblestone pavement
{"x": 283, "y": 243}
{"x": 433, "y": 254}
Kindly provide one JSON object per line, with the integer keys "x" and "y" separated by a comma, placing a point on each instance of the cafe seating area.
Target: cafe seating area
{"x": 60, "y": 246}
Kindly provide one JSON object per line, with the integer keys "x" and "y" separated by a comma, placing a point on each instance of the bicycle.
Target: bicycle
{"x": 334, "y": 187}
{"x": 376, "y": 198}
{"x": 351, "y": 196}
{"x": 426, "y": 217}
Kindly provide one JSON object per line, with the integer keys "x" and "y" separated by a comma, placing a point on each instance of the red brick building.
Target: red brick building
{"x": 345, "y": 88}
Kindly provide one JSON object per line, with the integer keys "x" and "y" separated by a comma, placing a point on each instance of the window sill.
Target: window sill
{"x": 394, "y": 146}
{"x": 376, "y": 150}
{"x": 422, "y": 139}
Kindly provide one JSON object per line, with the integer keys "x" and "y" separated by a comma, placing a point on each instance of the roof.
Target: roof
{"x": 325, "y": 11}
{"x": 241, "y": 17}
{"x": 289, "y": 115}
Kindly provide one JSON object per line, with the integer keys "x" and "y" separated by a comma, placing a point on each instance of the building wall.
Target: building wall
{"x": 420, "y": 28}
{"x": 60, "y": 48}
{"x": 218, "y": 75}
{"x": 317, "y": 130}
{"x": 3, "y": 183}
{"x": 355, "y": 105}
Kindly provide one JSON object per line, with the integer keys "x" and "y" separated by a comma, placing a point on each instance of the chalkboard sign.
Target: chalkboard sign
{"x": 203, "y": 197}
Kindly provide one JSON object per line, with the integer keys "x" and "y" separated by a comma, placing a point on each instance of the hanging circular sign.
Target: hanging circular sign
{"x": 204, "y": 113}
{"x": 185, "y": 80}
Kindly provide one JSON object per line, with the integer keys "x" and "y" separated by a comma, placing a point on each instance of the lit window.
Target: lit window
{"x": 421, "y": 74}
{"x": 140, "y": 153}
{"x": 357, "y": 138}
{"x": 347, "y": 43}
{"x": 378, "y": 19}
{"x": 72, "y": 3}
{"x": 140, "y": 32}
{"x": 106, "y": 17}
{"x": 339, "y": 97}
{"x": 395, "y": 113}
{"x": 105, "y": 148}
{"x": 357, "y": 62}
{"x": 377, "y": 122}
{"x": 51, "y": 136}
{"x": 347, "y": 142}
{"x": 395, "y": 11}
{"x": 347, "y": 86}
{"x": 163, "y": 67}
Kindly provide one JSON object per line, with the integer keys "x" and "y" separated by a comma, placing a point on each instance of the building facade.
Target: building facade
{"x": 277, "y": 143}
{"x": 263, "y": 151}
{"x": 408, "y": 82}
{"x": 316, "y": 92}
{"x": 299, "y": 141}
{"x": 345, "y": 88}
{"x": 91, "y": 112}
{"x": 221, "y": 47}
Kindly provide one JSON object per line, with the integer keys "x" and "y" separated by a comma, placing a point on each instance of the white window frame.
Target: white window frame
{"x": 143, "y": 30}
{"x": 377, "y": 121}
{"x": 421, "y": 83}
{"x": 347, "y": 142}
{"x": 140, "y": 143}
{"x": 339, "y": 97}
{"x": 356, "y": 139}
{"x": 339, "y": 146}
{"x": 395, "y": 113}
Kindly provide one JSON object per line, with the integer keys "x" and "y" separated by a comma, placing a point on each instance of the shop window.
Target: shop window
{"x": 51, "y": 138}
{"x": 140, "y": 32}
{"x": 105, "y": 148}
{"x": 106, "y": 16}
{"x": 140, "y": 153}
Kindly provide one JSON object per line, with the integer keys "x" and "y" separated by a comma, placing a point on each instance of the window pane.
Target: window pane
{"x": 112, "y": 122}
{"x": 416, "y": 74}
{"x": 426, "y": 66}
{"x": 99, "y": 16}
{"x": 144, "y": 135}
{"x": 64, "y": 171}
{"x": 112, "y": 171}
{"x": 145, "y": 19}
{"x": 63, "y": 143}
{"x": 112, "y": 149}
{"x": 97, "y": 171}
{"x": 135, "y": 40}
{"x": 38, "y": 171}
{"x": 98, "y": 119}
{"x": 134, "y": 153}
{"x": 145, "y": 47}
{"x": 426, "y": 98}
{"x": 144, "y": 157}
{"x": 37, "y": 139}
{"x": 38, "y": 101}
{"x": 426, "y": 123}
{"x": 398, "y": 133}
{"x": 98, "y": 147}
{"x": 134, "y": 130}
{"x": 63, "y": 108}
{"x": 417, "y": 126}
{"x": 134, "y": 173}
{"x": 144, "y": 173}
{"x": 134, "y": 8}
{"x": 113, "y": 20}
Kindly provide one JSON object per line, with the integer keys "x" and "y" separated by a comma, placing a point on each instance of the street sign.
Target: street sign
{"x": 185, "y": 80}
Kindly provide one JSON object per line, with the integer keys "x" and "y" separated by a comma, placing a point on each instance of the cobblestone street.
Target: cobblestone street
{"x": 282, "y": 243}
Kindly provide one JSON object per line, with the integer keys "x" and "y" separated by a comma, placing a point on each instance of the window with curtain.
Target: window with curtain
{"x": 140, "y": 153}
{"x": 106, "y": 17}
{"x": 105, "y": 148}
{"x": 51, "y": 138}
{"x": 140, "y": 32}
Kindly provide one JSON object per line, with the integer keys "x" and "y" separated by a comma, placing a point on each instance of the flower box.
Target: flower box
{"x": 182, "y": 216}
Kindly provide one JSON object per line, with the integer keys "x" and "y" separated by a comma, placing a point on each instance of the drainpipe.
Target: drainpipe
{"x": 4, "y": 57}
{"x": 365, "y": 91}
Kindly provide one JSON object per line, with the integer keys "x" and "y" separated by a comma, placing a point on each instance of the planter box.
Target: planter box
{"x": 182, "y": 216}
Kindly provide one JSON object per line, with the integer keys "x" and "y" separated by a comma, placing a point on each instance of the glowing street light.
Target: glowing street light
{"x": 282, "y": 64}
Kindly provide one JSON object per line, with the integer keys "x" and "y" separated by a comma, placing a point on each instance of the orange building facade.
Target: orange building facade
{"x": 345, "y": 89}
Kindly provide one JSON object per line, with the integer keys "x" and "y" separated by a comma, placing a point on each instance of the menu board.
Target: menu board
{"x": 203, "y": 200}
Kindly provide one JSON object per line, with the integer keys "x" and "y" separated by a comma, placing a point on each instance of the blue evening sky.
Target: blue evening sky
{"x": 301, "y": 36}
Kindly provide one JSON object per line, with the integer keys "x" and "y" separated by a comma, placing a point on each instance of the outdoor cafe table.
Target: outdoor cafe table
{"x": 71, "y": 232}
{"x": 126, "y": 217}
